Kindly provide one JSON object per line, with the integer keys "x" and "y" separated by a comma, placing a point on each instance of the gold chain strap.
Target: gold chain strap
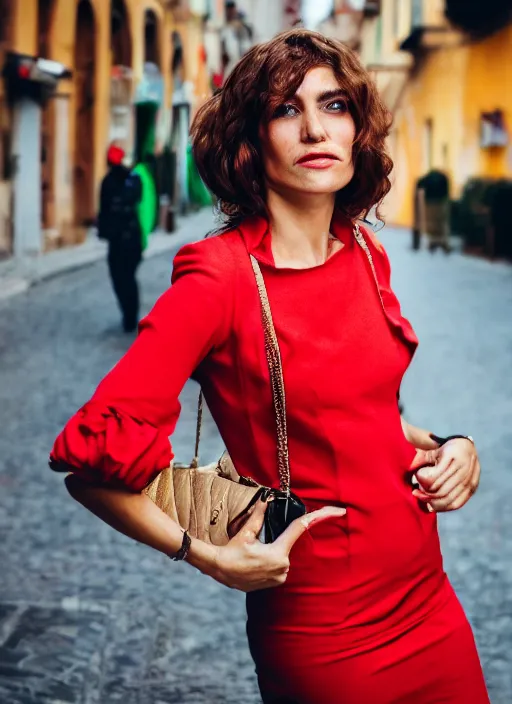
{"x": 199, "y": 423}
{"x": 276, "y": 380}
{"x": 362, "y": 243}
{"x": 276, "y": 370}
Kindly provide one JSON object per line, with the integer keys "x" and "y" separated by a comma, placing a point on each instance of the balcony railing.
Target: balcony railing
{"x": 427, "y": 33}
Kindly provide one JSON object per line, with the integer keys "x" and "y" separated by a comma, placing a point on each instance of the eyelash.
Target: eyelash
{"x": 281, "y": 111}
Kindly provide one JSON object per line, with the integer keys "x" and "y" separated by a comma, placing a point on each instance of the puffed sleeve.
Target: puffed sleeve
{"x": 121, "y": 435}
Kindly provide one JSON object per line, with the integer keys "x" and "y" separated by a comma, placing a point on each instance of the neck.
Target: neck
{"x": 300, "y": 229}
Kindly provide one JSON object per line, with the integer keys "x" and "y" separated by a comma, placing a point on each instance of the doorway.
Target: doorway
{"x": 121, "y": 85}
{"x": 45, "y": 11}
{"x": 84, "y": 83}
{"x": 151, "y": 38}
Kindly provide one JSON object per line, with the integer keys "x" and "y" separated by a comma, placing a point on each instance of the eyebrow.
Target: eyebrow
{"x": 331, "y": 95}
{"x": 334, "y": 94}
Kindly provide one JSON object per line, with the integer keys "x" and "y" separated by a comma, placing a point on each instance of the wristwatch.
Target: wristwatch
{"x": 185, "y": 547}
{"x": 442, "y": 441}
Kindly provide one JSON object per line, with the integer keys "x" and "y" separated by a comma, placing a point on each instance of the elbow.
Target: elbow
{"x": 103, "y": 446}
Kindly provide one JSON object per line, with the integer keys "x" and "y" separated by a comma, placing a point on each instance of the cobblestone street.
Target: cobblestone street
{"x": 89, "y": 617}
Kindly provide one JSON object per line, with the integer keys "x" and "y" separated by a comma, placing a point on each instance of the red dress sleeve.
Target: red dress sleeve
{"x": 121, "y": 436}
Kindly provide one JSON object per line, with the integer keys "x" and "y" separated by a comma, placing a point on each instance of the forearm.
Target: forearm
{"x": 418, "y": 437}
{"x": 136, "y": 516}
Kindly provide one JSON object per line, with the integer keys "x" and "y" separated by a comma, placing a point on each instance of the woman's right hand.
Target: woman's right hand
{"x": 249, "y": 565}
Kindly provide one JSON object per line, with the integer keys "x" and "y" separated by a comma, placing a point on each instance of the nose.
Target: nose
{"x": 312, "y": 129}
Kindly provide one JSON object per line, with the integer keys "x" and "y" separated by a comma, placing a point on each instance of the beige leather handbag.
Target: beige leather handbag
{"x": 213, "y": 502}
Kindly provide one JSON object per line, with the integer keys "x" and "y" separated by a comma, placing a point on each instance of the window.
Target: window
{"x": 417, "y": 14}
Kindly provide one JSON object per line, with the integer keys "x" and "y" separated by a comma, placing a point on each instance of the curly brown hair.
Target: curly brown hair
{"x": 225, "y": 139}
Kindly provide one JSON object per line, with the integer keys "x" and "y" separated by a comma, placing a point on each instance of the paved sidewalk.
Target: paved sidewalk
{"x": 16, "y": 276}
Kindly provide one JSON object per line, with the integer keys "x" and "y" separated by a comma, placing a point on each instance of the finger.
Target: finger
{"x": 459, "y": 478}
{"x": 439, "y": 481}
{"x": 421, "y": 495}
{"x": 428, "y": 476}
{"x": 457, "y": 498}
{"x": 424, "y": 458}
{"x": 458, "y": 502}
{"x": 457, "y": 475}
{"x": 289, "y": 537}
{"x": 253, "y": 525}
{"x": 444, "y": 460}
{"x": 467, "y": 477}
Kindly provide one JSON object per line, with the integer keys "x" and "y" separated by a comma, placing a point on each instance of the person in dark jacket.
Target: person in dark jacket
{"x": 118, "y": 224}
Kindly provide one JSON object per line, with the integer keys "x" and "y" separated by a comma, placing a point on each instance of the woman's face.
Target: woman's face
{"x": 307, "y": 143}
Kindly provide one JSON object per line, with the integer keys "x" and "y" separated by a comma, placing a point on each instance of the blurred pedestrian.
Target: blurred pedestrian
{"x": 432, "y": 210}
{"x": 350, "y": 604}
{"x": 119, "y": 225}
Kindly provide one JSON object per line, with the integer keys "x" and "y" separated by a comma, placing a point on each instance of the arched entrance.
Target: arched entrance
{"x": 121, "y": 114}
{"x": 151, "y": 38}
{"x": 84, "y": 84}
{"x": 181, "y": 112}
{"x": 177, "y": 64}
{"x": 45, "y": 13}
{"x": 149, "y": 92}
{"x": 45, "y": 10}
{"x": 121, "y": 40}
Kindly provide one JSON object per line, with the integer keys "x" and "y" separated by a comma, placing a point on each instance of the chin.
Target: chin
{"x": 323, "y": 182}
{"x": 323, "y": 186}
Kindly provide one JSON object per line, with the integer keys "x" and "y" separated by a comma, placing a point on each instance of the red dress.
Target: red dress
{"x": 367, "y": 615}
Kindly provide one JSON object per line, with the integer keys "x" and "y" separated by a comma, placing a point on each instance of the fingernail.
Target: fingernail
{"x": 429, "y": 508}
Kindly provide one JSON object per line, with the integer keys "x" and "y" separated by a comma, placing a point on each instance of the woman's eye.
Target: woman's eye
{"x": 338, "y": 106}
{"x": 286, "y": 110}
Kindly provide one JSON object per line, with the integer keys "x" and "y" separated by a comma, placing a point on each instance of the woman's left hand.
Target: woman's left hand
{"x": 448, "y": 476}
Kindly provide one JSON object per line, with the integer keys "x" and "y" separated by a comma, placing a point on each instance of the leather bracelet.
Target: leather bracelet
{"x": 442, "y": 441}
{"x": 185, "y": 547}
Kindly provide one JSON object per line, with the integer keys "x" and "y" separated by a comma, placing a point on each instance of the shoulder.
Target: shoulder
{"x": 376, "y": 246}
{"x": 372, "y": 238}
{"x": 213, "y": 256}
{"x": 379, "y": 255}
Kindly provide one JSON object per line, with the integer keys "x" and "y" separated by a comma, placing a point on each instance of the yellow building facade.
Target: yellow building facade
{"x": 107, "y": 45}
{"x": 440, "y": 87}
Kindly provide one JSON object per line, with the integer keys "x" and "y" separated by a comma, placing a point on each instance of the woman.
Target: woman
{"x": 351, "y": 604}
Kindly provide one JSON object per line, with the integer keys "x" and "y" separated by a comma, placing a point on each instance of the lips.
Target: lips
{"x": 314, "y": 156}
